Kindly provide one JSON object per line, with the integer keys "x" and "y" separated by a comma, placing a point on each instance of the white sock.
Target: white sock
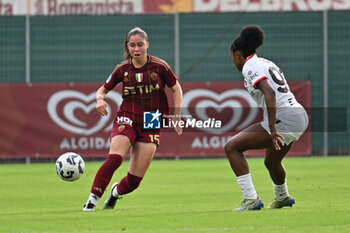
{"x": 281, "y": 191}
{"x": 115, "y": 192}
{"x": 245, "y": 183}
{"x": 93, "y": 198}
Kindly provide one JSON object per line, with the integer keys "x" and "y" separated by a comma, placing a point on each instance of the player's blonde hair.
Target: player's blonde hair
{"x": 132, "y": 32}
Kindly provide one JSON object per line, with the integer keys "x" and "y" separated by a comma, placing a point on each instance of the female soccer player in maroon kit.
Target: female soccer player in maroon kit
{"x": 144, "y": 78}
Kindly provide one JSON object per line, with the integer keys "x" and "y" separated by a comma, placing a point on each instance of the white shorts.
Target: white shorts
{"x": 291, "y": 123}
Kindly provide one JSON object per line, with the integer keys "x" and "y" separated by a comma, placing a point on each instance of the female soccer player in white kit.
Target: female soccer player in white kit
{"x": 285, "y": 120}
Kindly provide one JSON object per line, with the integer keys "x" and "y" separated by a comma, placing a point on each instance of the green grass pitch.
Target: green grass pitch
{"x": 178, "y": 196}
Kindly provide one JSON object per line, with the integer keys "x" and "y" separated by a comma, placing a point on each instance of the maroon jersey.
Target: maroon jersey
{"x": 143, "y": 88}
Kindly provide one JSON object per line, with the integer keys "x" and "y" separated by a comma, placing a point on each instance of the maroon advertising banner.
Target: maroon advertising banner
{"x": 108, "y": 7}
{"x": 172, "y": 6}
{"x": 230, "y": 103}
{"x": 46, "y": 120}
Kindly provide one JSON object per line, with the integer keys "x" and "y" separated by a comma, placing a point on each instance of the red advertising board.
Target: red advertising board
{"x": 46, "y": 120}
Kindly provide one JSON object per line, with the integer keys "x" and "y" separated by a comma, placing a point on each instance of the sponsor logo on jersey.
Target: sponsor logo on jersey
{"x": 139, "y": 77}
{"x": 141, "y": 89}
{"x": 124, "y": 120}
{"x": 151, "y": 120}
{"x": 253, "y": 75}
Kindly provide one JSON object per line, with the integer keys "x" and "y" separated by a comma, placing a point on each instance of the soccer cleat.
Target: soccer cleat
{"x": 89, "y": 206}
{"x": 250, "y": 204}
{"x": 111, "y": 201}
{"x": 289, "y": 201}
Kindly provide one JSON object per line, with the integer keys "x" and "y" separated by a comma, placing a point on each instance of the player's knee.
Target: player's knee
{"x": 227, "y": 148}
{"x": 270, "y": 164}
{"x": 230, "y": 147}
{"x": 267, "y": 163}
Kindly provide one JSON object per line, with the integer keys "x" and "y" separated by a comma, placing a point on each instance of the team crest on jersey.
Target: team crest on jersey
{"x": 121, "y": 128}
{"x": 139, "y": 77}
{"x": 154, "y": 76}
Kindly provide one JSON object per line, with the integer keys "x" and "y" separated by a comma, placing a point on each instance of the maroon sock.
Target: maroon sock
{"x": 105, "y": 173}
{"x": 128, "y": 184}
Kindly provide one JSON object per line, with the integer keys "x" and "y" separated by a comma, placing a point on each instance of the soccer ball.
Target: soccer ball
{"x": 70, "y": 166}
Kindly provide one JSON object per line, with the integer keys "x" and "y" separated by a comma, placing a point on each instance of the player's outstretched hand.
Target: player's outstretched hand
{"x": 177, "y": 128}
{"x": 101, "y": 107}
{"x": 276, "y": 138}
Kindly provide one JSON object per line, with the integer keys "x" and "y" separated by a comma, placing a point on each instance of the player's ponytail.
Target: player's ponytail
{"x": 251, "y": 38}
{"x": 132, "y": 32}
{"x": 127, "y": 54}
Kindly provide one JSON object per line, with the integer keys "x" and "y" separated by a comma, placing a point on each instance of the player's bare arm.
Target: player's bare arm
{"x": 177, "y": 92}
{"x": 101, "y": 105}
{"x": 270, "y": 100}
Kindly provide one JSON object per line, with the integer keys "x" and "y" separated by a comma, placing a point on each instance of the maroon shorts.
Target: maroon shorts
{"x": 131, "y": 126}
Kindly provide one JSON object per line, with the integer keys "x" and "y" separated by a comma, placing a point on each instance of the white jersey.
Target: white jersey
{"x": 290, "y": 122}
{"x": 256, "y": 69}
